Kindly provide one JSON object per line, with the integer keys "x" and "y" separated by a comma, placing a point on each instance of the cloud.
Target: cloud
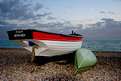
{"x": 15, "y": 9}
{"x": 56, "y": 27}
{"x": 106, "y": 28}
{"x": 3, "y": 23}
{"x": 4, "y": 27}
{"x": 50, "y": 18}
{"x": 15, "y": 14}
{"x": 109, "y": 12}
{"x": 102, "y": 12}
{"x": 43, "y": 15}
{"x": 105, "y": 23}
{"x": 27, "y": 16}
{"x": 111, "y": 23}
{"x": 38, "y": 6}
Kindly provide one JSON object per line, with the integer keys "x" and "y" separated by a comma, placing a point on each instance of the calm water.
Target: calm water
{"x": 102, "y": 45}
{"x": 4, "y": 43}
{"x": 94, "y": 45}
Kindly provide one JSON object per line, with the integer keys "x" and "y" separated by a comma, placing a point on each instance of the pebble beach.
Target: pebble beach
{"x": 15, "y": 65}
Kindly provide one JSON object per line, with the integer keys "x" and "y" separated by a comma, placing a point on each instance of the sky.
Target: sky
{"x": 91, "y": 18}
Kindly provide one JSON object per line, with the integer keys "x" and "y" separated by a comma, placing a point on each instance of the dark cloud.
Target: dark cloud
{"x": 110, "y": 23}
{"x": 25, "y": 0}
{"x": 106, "y": 28}
{"x": 105, "y": 23}
{"x": 102, "y": 12}
{"x": 15, "y": 9}
{"x": 3, "y": 23}
{"x": 43, "y": 15}
{"x": 4, "y": 27}
{"x": 50, "y": 18}
{"x": 109, "y": 12}
{"x": 38, "y": 6}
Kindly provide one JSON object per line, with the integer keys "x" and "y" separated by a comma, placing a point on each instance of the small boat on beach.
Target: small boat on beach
{"x": 47, "y": 44}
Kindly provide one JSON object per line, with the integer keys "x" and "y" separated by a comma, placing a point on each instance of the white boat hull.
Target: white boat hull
{"x": 51, "y": 48}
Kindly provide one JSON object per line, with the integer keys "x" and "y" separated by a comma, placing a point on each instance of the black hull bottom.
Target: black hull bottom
{"x": 67, "y": 58}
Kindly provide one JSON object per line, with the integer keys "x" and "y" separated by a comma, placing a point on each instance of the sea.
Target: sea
{"x": 113, "y": 45}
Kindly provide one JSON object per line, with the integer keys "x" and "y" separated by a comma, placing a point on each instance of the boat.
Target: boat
{"x": 84, "y": 59}
{"x": 46, "y": 43}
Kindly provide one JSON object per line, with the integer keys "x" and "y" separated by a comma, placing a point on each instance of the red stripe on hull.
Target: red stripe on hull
{"x": 46, "y": 36}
